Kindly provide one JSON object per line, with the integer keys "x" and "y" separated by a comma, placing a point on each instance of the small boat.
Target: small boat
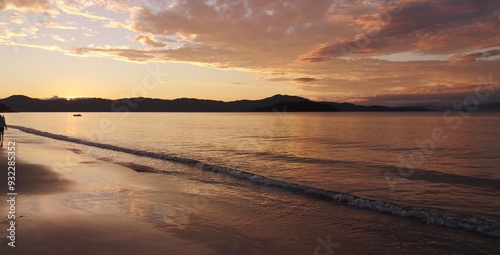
{"x": 77, "y": 115}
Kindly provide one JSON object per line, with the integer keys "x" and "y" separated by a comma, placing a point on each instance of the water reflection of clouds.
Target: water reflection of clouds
{"x": 99, "y": 201}
{"x": 129, "y": 201}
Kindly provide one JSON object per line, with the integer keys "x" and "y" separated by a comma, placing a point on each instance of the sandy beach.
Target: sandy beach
{"x": 69, "y": 203}
{"x": 70, "y": 209}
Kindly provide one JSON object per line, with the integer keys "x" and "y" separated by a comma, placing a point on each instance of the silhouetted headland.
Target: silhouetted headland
{"x": 304, "y": 106}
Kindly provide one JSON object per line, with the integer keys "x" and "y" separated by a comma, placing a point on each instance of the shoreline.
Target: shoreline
{"x": 73, "y": 203}
{"x": 48, "y": 221}
{"x": 70, "y": 203}
{"x": 437, "y": 217}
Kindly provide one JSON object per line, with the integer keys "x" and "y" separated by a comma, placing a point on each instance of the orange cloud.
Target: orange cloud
{"x": 434, "y": 27}
{"x": 149, "y": 40}
{"x": 478, "y": 56}
{"x": 322, "y": 47}
{"x": 32, "y": 5}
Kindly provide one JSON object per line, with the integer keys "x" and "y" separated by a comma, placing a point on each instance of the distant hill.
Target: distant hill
{"x": 303, "y": 106}
{"x": 348, "y": 107}
{"x": 493, "y": 107}
{"x": 26, "y": 104}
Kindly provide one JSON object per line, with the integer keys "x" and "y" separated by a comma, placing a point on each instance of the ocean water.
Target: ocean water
{"x": 432, "y": 168}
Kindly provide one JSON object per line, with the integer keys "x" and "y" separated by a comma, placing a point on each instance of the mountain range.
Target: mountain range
{"x": 20, "y": 103}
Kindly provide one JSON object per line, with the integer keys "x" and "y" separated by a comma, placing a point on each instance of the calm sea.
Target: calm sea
{"x": 438, "y": 169}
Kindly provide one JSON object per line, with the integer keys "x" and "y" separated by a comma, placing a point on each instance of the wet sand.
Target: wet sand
{"x": 70, "y": 203}
{"x": 49, "y": 222}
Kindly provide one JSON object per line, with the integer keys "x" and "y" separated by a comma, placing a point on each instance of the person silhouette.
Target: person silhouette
{"x": 3, "y": 126}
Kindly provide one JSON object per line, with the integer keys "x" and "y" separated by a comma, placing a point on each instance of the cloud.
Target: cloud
{"x": 249, "y": 27}
{"x": 8, "y": 34}
{"x": 115, "y": 24}
{"x": 58, "y": 38}
{"x": 54, "y": 25}
{"x": 439, "y": 97}
{"x": 477, "y": 56}
{"x": 328, "y": 48}
{"x": 299, "y": 80}
{"x": 43, "y": 47}
{"x": 78, "y": 8}
{"x": 24, "y": 5}
{"x": 191, "y": 54}
{"x": 436, "y": 27}
{"x": 305, "y": 80}
{"x": 17, "y": 18}
{"x": 114, "y": 52}
{"x": 149, "y": 40}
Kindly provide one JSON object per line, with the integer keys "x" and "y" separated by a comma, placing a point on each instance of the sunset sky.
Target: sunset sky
{"x": 408, "y": 52}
